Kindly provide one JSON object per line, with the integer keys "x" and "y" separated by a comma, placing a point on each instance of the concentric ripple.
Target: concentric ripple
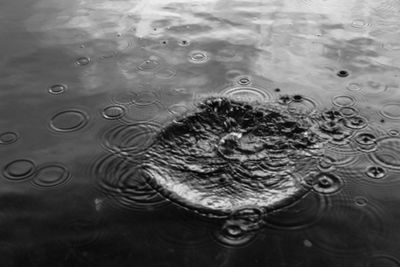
{"x": 230, "y": 154}
{"x": 69, "y": 120}
{"x": 51, "y": 175}
{"x": 247, "y": 94}
{"x": 387, "y": 153}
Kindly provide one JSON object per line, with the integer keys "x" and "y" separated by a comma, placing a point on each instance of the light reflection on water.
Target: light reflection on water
{"x": 87, "y": 87}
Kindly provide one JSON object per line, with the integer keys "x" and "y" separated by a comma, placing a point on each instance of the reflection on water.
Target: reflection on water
{"x": 110, "y": 154}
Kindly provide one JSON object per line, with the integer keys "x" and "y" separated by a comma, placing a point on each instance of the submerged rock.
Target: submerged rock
{"x": 229, "y": 154}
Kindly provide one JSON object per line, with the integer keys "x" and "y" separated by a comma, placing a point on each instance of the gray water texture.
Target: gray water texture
{"x": 200, "y": 133}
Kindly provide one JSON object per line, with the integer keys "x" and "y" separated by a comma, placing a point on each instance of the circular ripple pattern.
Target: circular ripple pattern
{"x": 7, "y": 138}
{"x": 231, "y": 154}
{"x": 382, "y": 261}
{"x": 343, "y": 101}
{"x": 124, "y": 183}
{"x": 198, "y": 57}
{"x": 247, "y": 94}
{"x": 391, "y": 111}
{"x": 132, "y": 138}
{"x": 82, "y": 61}
{"x": 69, "y": 121}
{"x": 327, "y": 183}
{"x": 387, "y": 153}
{"x": 51, "y": 175}
{"x": 19, "y": 169}
{"x": 113, "y": 112}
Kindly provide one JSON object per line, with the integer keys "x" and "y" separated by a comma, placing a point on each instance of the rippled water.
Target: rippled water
{"x": 200, "y": 133}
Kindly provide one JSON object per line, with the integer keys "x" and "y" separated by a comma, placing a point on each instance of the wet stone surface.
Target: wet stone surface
{"x": 230, "y": 154}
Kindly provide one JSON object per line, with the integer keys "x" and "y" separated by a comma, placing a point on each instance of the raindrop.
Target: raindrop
{"x": 57, "y": 89}
{"x": 342, "y": 73}
{"x": 355, "y": 122}
{"x": 198, "y": 57}
{"x": 387, "y": 153}
{"x": 360, "y": 201}
{"x": 51, "y": 175}
{"x": 19, "y": 169}
{"x": 277, "y": 90}
{"x": 247, "y": 94}
{"x": 82, "y": 61}
{"x": 113, "y": 112}
{"x": 243, "y": 80}
{"x": 366, "y": 141}
{"x": 69, "y": 120}
{"x": 343, "y": 101}
{"x": 232, "y": 235}
{"x": 284, "y": 99}
{"x": 391, "y": 111}
{"x": 297, "y": 98}
{"x": 183, "y": 43}
{"x": 7, "y": 138}
{"x": 327, "y": 183}
{"x": 353, "y": 86}
{"x": 149, "y": 65}
{"x": 375, "y": 172}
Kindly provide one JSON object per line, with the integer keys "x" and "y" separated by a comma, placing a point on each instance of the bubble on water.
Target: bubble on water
{"x": 382, "y": 261}
{"x": 7, "y": 138}
{"x": 145, "y": 98}
{"x": 123, "y": 183}
{"x": 57, "y": 89}
{"x": 132, "y": 138}
{"x": 198, "y": 57}
{"x": 247, "y": 94}
{"x": 348, "y": 230}
{"x": 353, "y": 86}
{"x": 18, "y": 170}
{"x": 327, "y": 183}
{"x": 82, "y": 61}
{"x": 348, "y": 111}
{"x": 391, "y": 111}
{"x": 356, "y": 122}
{"x": 366, "y": 141}
{"x": 51, "y": 175}
{"x": 113, "y": 112}
{"x": 243, "y": 80}
{"x": 343, "y": 101}
{"x": 300, "y": 215}
{"x": 149, "y": 65}
{"x": 342, "y": 73}
{"x": 387, "y": 153}
{"x": 360, "y": 201}
{"x": 375, "y": 172}
{"x": 69, "y": 120}
{"x": 302, "y": 105}
{"x": 232, "y": 235}
{"x": 166, "y": 73}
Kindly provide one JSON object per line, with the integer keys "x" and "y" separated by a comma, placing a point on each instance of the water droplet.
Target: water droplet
{"x": 7, "y": 138}
{"x": 149, "y": 65}
{"x": 113, "y": 112}
{"x": 51, "y": 175}
{"x": 343, "y": 101}
{"x": 387, "y": 153}
{"x": 391, "y": 111}
{"x": 82, "y": 61}
{"x": 198, "y": 57}
{"x": 353, "y": 86}
{"x": 19, "y": 169}
{"x": 355, "y": 122}
{"x": 69, "y": 120}
{"x": 360, "y": 201}
{"x": 247, "y": 94}
{"x": 57, "y": 89}
{"x": 327, "y": 183}
{"x": 375, "y": 172}
{"x": 342, "y": 73}
{"x": 243, "y": 80}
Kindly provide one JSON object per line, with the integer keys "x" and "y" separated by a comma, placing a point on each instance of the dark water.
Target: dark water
{"x": 200, "y": 133}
